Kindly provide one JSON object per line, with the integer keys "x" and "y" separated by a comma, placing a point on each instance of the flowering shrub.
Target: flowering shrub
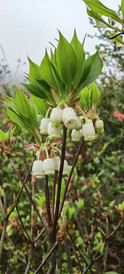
{"x": 62, "y": 109}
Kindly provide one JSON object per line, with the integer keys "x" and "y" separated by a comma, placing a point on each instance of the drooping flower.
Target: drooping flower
{"x": 69, "y": 118}
{"x": 44, "y": 125}
{"x": 66, "y": 167}
{"x": 53, "y": 132}
{"x": 56, "y": 162}
{"x": 49, "y": 166}
{"x": 56, "y": 115}
{"x": 76, "y": 135}
{"x": 79, "y": 123}
{"x": 99, "y": 126}
{"x": 37, "y": 169}
{"x": 118, "y": 115}
{"x": 88, "y": 131}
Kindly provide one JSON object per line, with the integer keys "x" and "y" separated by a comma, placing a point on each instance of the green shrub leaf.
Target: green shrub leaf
{"x": 66, "y": 61}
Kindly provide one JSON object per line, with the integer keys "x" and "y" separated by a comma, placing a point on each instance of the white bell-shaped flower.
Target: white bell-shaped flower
{"x": 76, "y": 135}
{"x": 69, "y": 118}
{"x": 53, "y": 132}
{"x": 44, "y": 125}
{"x": 56, "y": 162}
{"x": 99, "y": 126}
{"x": 48, "y": 166}
{"x": 88, "y": 131}
{"x": 56, "y": 115}
{"x": 37, "y": 169}
{"x": 79, "y": 123}
{"x": 66, "y": 167}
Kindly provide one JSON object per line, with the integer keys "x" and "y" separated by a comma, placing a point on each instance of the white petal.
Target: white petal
{"x": 69, "y": 118}
{"x": 75, "y": 135}
{"x": 56, "y": 115}
{"x": 48, "y": 166}
{"x": 37, "y": 168}
{"x": 44, "y": 125}
{"x": 53, "y": 132}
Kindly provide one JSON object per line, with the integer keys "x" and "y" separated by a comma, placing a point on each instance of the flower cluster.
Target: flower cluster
{"x": 81, "y": 126}
{"x": 84, "y": 125}
{"x": 48, "y": 167}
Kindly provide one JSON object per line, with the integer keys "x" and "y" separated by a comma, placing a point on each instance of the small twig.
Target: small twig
{"x": 70, "y": 270}
{"x": 69, "y": 177}
{"x": 76, "y": 256}
{"x": 60, "y": 179}
{"x": 47, "y": 201}
{"x": 105, "y": 243}
{"x": 116, "y": 35}
{"x": 32, "y": 244}
{"x": 114, "y": 231}
{"x": 94, "y": 260}
{"x": 47, "y": 257}
{"x": 53, "y": 194}
{"x": 1, "y": 206}
{"x": 76, "y": 248}
{"x": 20, "y": 191}
{"x": 28, "y": 194}
{"x": 20, "y": 219}
{"x": 24, "y": 262}
{"x": 5, "y": 221}
{"x": 42, "y": 231}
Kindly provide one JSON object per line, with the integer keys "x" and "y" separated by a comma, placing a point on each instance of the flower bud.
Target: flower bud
{"x": 100, "y": 126}
{"x": 44, "y": 125}
{"x": 56, "y": 116}
{"x": 48, "y": 166}
{"x": 88, "y": 131}
{"x": 53, "y": 132}
{"x": 76, "y": 135}
{"x": 69, "y": 118}
{"x": 37, "y": 169}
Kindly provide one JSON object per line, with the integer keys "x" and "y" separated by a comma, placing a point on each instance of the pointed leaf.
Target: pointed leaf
{"x": 41, "y": 105}
{"x": 97, "y": 17}
{"x": 95, "y": 93}
{"x": 122, "y": 7}
{"x": 79, "y": 51}
{"x": 92, "y": 68}
{"x": 85, "y": 98}
{"x": 66, "y": 61}
{"x": 2, "y": 135}
{"x": 47, "y": 72}
{"x": 34, "y": 72}
{"x": 98, "y": 7}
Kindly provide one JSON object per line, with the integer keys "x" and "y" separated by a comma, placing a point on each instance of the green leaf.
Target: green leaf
{"x": 34, "y": 72}
{"x": 85, "y": 98}
{"x": 92, "y": 69}
{"x": 95, "y": 93}
{"x": 66, "y": 61}
{"x": 47, "y": 72}
{"x": 42, "y": 91}
{"x": 118, "y": 40}
{"x": 122, "y": 7}
{"x": 21, "y": 111}
{"x": 2, "y": 135}
{"x": 97, "y": 17}
{"x": 111, "y": 272}
{"x": 80, "y": 204}
{"x": 98, "y": 7}
{"x": 41, "y": 105}
{"x": 79, "y": 51}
